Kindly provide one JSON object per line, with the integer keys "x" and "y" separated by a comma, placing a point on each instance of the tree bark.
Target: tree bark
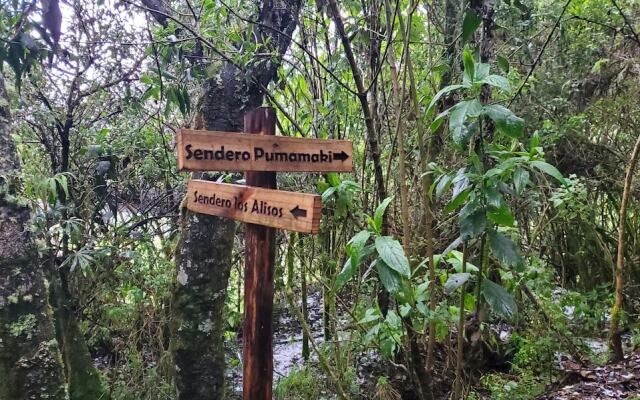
{"x": 615, "y": 341}
{"x": 30, "y": 364}
{"x": 203, "y": 258}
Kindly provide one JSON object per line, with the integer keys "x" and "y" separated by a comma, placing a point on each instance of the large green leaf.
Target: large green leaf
{"x": 520, "y": 180}
{"x": 391, "y": 252}
{"x": 498, "y": 81}
{"x": 377, "y": 217}
{"x": 506, "y": 121}
{"x": 357, "y": 253}
{"x": 355, "y": 245}
{"x": 470, "y": 23}
{"x": 469, "y": 66}
{"x": 473, "y": 225}
{"x": 348, "y": 271}
{"x": 389, "y": 278}
{"x": 503, "y": 63}
{"x": 455, "y": 281}
{"x": 456, "y": 201}
{"x": 500, "y": 301}
{"x": 482, "y": 71}
{"x": 443, "y": 183}
{"x": 501, "y": 216}
{"x": 442, "y": 92}
{"x": 458, "y": 116}
{"x": 549, "y": 170}
{"x": 505, "y": 249}
{"x": 455, "y": 260}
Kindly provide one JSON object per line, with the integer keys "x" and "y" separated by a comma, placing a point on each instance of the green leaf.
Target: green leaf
{"x": 494, "y": 197}
{"x": 505, "y": 249}
{"x": 506, "y": 121}
{"x": 503, "y": 64}
{"x": 501, "y": 216}
{"x": 372, "y": 314}
{"x": 482, "y": 71}
{"x": 469, "y": 66}
{"x": 520, "y": 180}
{"x": 437, "y": 123}
{"x": 355, "y": 246}
{"x": 348, "y": 270}
{"x": 391, "y": 252}
{"x": 62, "y": 180}
{"x": 333, "y": 179}
{"x": 359, "y": 240}
{"x": 473, "y": 225}
{"x": 152, "y": 91}
{"x": 456, "y": 280}
{"x": 377, "y": 216}
{"x": 455, "y": 260}
{"x": 355, "y": 251}
{"x": 444, "y": 182}
{"x": 498, "y": 81}
{"x": 389, "y": 278}
{"x": 470, "y": 23}
{"x": 500, "y": 301}
{"x": 456, "y": 201}
{"x": 442, "y": 92}
{"x": 549, "y": 170}
{"x": 458, "y": 116}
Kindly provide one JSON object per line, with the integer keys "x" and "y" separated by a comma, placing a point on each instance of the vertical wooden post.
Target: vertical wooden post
{"x": 257, "y": 352}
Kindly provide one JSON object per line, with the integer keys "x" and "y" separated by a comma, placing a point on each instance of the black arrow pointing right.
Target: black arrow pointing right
{"x": 298, "y": 212}
{"x": 342, "y": 156}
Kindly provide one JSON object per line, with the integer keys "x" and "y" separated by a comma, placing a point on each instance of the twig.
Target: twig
{"x": 226, "y": 58}
{"x": 626, "y": 21}
{"x": 544, "y": 46}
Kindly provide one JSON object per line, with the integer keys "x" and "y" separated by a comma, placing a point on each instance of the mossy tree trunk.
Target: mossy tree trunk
{"x": 30, "y": 363}
{"x": 203, "y": 257}
{"x": 615, "y": 340}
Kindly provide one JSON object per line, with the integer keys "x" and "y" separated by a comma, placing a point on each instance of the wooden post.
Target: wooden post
{"x": 257, "y": 352}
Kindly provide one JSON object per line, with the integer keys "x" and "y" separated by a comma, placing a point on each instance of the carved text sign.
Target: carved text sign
{"x": 275, "y": 208}
{"x": 226, "y": 151}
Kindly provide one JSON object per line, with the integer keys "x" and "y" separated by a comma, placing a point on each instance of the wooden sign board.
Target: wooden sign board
{"x": 227, "y": 151}
{"x": 292, "y": 211}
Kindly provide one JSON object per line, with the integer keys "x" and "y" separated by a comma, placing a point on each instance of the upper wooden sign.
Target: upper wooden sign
{"x": 227, "y": 151}
{"x": 279, "y": 209}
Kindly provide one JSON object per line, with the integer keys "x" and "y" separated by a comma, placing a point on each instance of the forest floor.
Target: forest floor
{"x": 287, "y": 342}
{"x": 599, "y": 382}
{"x": 577, "y": 382}
{"x": 287, "y": 347}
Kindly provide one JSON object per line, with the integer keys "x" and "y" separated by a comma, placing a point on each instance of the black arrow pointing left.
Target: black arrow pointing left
{"x": 298, "y": 212}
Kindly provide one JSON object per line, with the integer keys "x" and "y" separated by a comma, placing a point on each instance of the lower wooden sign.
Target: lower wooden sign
{"x": 292, "y": 211}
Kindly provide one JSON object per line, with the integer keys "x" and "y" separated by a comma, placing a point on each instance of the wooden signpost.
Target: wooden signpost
{"x": 263, "y": 208}
{"x": 226, "y": 151}
{"x": 275, "y": 208}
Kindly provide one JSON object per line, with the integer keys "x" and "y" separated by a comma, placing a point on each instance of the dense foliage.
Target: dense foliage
{"x": 490, "y": 227}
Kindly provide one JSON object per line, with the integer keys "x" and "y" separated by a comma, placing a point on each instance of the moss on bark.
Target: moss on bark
{"x": 30, "y": 364}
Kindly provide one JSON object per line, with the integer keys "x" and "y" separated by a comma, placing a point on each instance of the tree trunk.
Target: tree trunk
{"x": 30, "y": 366}
{"x": 81, "y": 374}
{"x": 203, "y": 258}
{"x": 615, "y": 341}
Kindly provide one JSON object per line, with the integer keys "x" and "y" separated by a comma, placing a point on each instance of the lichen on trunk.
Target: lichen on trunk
{"x": 30, "y": 364}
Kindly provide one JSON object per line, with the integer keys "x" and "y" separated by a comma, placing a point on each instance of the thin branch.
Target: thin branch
{"x": 226, "y": 58}
{"x": 539, "y": 57}
{"x": 302, "y": 47}
{"x": 626, "y": 21}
